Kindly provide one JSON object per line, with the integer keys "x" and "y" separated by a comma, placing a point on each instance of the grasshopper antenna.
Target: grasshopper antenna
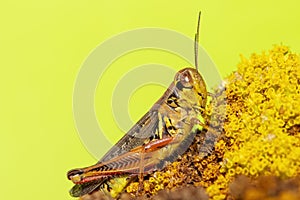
{"x": 196, "y": 42}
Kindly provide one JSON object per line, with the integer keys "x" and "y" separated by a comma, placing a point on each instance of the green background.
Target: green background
{"x": 43, "y": 44}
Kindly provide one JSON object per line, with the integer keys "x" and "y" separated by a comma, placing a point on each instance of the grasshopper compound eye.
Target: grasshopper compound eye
{"x": 184, "y": 79}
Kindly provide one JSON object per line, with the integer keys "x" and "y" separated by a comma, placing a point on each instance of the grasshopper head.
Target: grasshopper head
{"x": 190, "y": 88}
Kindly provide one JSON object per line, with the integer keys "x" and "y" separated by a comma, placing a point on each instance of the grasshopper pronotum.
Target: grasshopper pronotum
{"x": 158, "y": 138}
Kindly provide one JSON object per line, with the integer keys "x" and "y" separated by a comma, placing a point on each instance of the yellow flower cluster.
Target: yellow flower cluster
{"x": 263, "y": 118}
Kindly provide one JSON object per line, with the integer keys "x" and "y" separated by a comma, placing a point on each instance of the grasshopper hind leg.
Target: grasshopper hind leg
{"x": 141, "y": 175}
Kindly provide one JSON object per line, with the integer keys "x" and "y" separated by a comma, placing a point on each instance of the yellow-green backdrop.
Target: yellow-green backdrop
{"x": 43, "y": 44}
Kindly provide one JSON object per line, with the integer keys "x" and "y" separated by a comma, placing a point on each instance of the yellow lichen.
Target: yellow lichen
{"x": 263, "y": 95}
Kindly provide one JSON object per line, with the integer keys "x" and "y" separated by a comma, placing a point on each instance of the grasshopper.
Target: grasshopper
{"x": 158, "y": 138}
